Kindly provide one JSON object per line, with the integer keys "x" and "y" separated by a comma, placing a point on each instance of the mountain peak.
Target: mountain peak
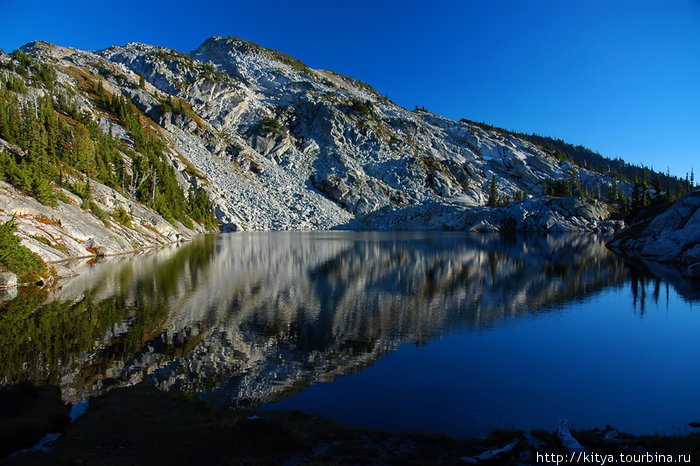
{"x": 46, "y": 49}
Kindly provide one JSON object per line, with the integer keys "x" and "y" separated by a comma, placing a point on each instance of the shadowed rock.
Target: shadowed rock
{"x": 671, "y": 237}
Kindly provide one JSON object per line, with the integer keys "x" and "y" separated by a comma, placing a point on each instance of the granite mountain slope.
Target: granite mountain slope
{"x": 278, "y": 145}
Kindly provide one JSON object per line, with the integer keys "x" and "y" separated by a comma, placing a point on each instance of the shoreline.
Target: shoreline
{"x": 123, "y": 425}
{"x": 117, "y": 254}
{"x": 51, "y": 279}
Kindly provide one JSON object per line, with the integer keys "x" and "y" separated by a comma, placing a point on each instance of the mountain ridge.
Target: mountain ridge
{"x": 340, "y": 179}
{"x": 277, "y": 145}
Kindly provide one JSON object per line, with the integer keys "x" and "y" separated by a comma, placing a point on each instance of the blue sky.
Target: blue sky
{"x": 619, "y": 76}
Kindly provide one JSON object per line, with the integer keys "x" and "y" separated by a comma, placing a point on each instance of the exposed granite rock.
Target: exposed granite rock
{"x": 691, "y": 261}
{"x": 11, "y": 148}
{"x": 329, "y": 163}
{"x": 673, "y": 236}
{"x": 541, "y": 214}
{"x": 280, "y": 146}
{"x": 68, "y": 231}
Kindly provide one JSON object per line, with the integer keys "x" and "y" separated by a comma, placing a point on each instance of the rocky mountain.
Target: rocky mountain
{"x": 277, "y": 145}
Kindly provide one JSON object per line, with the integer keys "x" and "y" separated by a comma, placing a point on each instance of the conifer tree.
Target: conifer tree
{"x": 493, "y": 193}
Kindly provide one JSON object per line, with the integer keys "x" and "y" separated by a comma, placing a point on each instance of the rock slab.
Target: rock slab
{"x": 673, "y": 236}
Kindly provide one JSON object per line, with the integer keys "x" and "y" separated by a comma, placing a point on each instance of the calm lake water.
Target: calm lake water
{"x": 443, "y": 332}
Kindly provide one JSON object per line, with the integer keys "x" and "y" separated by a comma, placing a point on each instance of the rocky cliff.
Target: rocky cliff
{"x": 277, "y": 145}
{"x": 671, "y": 237}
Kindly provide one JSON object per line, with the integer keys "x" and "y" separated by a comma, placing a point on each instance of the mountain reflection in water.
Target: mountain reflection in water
{"x": 248, "y": 318}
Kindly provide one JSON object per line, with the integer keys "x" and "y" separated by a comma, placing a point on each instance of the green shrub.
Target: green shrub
{"x": 43, "y": 192}
{"x": 199, "y": 208}
{"x": 122, "y": 216}
{"x": 362, "y": 106}
{"x": 17, "y": 258}
{"x": 49, "y": 243}
{"x": 294, "y": 63}
{"x": 493, "y": 193}
{"x": 96, "y": 211}
{"x": 16, "y": 85}
{"x": 78, "y": 188}
{"x": 270, "y": 125}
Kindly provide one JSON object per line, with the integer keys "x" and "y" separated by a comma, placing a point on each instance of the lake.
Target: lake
{"x": 440, "y": 332}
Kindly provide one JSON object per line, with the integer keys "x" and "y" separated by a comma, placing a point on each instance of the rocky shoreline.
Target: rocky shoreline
{"x": 543, "y": 214}
{"x": 68, "y": 232}
{"x": 672, "y": 237}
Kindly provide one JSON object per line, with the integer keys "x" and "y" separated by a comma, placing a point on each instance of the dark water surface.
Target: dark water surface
{"x": 441, "y": 332}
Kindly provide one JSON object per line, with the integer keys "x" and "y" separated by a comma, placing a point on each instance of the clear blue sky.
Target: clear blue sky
{"x": 619, "y": 76}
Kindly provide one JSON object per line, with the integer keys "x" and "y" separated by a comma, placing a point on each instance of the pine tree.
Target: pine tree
{"x": 42, "y": 191}
{"x": 493, "y": 193}
{"x": 574, "y": 184}
{"x": 657, "y": 184}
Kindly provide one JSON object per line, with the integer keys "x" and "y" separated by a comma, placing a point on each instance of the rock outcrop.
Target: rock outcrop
{"x": 8, "y": 280}
{"x": 69, "y": 231}
{"x": 540, "y": 214}
{"x": 671, "y": 237}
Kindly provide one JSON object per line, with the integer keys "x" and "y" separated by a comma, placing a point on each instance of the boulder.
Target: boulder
{"x": 143, "y": 101}
{"x": 8, "y": 280}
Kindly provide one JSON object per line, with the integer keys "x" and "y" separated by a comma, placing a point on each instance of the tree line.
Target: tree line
{"x": 651, "y": 190}
{"x": 583, "y": 157}
{"x": 58, "y": 141}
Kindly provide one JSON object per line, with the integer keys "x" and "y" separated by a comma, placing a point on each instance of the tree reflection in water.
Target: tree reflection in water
{"x": 246, "y": 318}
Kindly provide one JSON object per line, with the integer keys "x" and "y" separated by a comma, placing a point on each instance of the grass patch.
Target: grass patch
{"x": 48, "y": 242}
{"x": 48, "y": 221}
{"x": 361, "y": 85}
{"x": 96, "y": 211}
{"x": 294, "y": 63}
{"x": 189, "y": 168}
{"x": 83, "y": 80}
